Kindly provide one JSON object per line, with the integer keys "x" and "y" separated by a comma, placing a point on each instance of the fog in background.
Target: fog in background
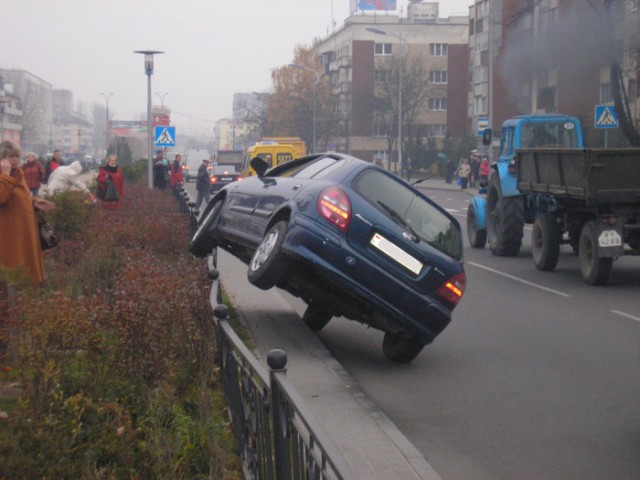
{"x": 213, "y": 48}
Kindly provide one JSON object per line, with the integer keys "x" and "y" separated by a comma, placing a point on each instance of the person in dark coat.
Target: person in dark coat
{"x": 159, "y": 177}
{"x": 203, "y": 184}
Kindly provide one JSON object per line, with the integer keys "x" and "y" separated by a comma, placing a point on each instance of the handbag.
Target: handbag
{"x": 48, "y": 238}
{"x": 110, "y": 191}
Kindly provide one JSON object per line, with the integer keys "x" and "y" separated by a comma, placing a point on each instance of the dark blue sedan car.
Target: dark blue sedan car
{"x": 350, "y": 239}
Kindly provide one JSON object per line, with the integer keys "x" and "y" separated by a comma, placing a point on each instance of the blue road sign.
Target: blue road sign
{"x": 164, "y": 136}
{"x": 483, "y": 124}
{"x": 606, "y": 116}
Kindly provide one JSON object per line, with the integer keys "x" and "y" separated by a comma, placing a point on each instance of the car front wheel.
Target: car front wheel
{"x": 268, "y": 264}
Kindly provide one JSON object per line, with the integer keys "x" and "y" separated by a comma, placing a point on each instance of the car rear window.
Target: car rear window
{"x": 427, "y": 222}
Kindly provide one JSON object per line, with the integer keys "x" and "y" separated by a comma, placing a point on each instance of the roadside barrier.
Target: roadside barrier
{"x": 277, "y": 435}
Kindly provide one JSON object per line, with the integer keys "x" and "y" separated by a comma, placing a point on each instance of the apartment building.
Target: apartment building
{"x": 550, "y": 56}
{"x": 365, "y": 60}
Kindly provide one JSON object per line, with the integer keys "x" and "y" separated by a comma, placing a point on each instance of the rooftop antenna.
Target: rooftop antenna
{"x": 333, "y": 19}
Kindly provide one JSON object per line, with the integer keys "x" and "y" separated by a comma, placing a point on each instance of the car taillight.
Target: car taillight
{"x": 334, "y": 206}
{"x": 452, "y": 290}
{"x": 213, "y": 179}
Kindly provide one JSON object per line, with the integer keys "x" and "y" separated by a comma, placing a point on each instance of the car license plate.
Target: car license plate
{"x": 226, "y": 179}
{"x": 396, "y": 253}
{"x": 610, "y": 238}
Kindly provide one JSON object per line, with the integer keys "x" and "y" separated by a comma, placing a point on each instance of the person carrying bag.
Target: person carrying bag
{"x": 110, "y": 184}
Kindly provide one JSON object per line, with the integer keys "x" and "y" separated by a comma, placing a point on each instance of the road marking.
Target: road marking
{"x": 531, "y": 284}
{"x": 622, "y": 314}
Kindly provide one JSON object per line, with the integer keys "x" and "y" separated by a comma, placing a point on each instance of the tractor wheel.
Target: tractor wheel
{"x": 477, "y": 236}
{"x": 505, "y": 220}
{"x": 595, "y": 270}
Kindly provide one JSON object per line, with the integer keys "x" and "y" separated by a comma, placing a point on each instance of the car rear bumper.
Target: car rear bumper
{"x": 335, "y": 262}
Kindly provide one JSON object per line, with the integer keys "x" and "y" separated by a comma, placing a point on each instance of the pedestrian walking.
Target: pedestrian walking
{"x": 159, "y": 178}
{"x": 484, "y": 171}
{"x": 450, "y": 170}
{"x": 203, "y": 184}
{"x": 463, "y": 173}
{"x": 176, "y": 180}
{"x": 19, "y": 236}
{"x": 33, "y": 173}
{"x": 474, "y": 163}
{"x": 112, "y": 173}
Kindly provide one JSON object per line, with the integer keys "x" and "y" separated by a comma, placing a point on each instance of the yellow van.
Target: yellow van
{"x": 271, "y": 152}
{"x": 296, "y": 142}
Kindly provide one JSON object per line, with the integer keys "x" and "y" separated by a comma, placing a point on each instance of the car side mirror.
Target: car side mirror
{"x": 259, "y": 165}
{"x": 487, "y": 136}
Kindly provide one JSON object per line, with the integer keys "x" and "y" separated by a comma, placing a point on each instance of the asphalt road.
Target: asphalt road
{"x": 537, "y": 377}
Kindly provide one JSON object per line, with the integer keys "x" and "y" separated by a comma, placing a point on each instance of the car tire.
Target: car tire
{"x": 400, "y": 349}
{"x": 505, "y": 220}
{"x": 545, "y": 242}
{"x": 204, "y": 240}
{"x": 595, "y": 270}
{"x": 477, "y": 236}
{"x": 316, "y": 317}
{"x": 268, "y": 264}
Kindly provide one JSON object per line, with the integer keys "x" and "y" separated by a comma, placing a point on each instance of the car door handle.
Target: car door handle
{"x": 296, "y": 187}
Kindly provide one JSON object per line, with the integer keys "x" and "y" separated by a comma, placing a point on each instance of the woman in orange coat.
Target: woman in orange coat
{"x": 113, "y": 171}
{"x": 19, "y": 237}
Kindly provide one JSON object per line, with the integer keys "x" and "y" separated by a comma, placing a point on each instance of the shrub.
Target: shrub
{"x": 115, "y": 353}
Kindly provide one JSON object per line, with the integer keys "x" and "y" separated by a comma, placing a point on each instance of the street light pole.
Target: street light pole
{"x": 106, "y": 98}
{"x": 404, "y": 52}
{"x": 161, "y": 97}
{"x": 315, "y": 87}
{"x": 148, "y": 67}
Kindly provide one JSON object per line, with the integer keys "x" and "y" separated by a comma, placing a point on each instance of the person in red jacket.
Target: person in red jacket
{"x": 114, "y": 172}
{"x": 33, "y": 173}
{"x": 54, "y": 162}
{"x": 176, "y": 178}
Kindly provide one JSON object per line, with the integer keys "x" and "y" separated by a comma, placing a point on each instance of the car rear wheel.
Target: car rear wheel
{"x": 203, "y": 241}
{"x": 268, "y": 264}
{"x": 401, "y": 349}
{"x": 317, "y": 316}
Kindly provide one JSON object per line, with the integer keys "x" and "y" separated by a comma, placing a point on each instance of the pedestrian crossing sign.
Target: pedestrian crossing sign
{"x": 164, "y": 136}
{"x": 606, "y": 116}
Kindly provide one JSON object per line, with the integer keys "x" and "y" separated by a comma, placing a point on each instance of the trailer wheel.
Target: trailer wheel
{"x": 477, "y": 236}
{"x": 595, "y": 270}
{"x": 545, "y": 242}
{"x": 505, "y": 220}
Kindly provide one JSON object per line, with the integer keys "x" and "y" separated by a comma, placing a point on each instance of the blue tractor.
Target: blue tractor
{"x": 500, "y": 216}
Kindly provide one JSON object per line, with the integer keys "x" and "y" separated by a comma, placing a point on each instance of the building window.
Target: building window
{"x": 617, "y": 9}
{"x": 438, "y": 104}
{"x": 438, "y": 49}
{"x": 380, "y": 130}
{"x": 547, "y": 20}
{"x": 383, "y": 49}
{"x": 439, "y": 77}
{"x": 436, "y": 130}
{"x": 480, "y": 74}
{"x": 547, "y": 99}
{"x": 382, "y": 76}
{"x": 480, "y": 105}
{"x": 605, "y": 93}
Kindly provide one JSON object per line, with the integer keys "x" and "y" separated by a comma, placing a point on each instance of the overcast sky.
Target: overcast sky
{"x": 214, "y": 48}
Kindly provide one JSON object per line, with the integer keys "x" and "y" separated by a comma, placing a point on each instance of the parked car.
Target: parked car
{"x": 223, "y": 175}
{"x": 350, "y": 239}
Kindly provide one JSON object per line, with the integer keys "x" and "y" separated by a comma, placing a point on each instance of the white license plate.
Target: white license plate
{"x": 610, "y": 238}
{"x": 226, "y": 179}
{"x": 396, "y": 253}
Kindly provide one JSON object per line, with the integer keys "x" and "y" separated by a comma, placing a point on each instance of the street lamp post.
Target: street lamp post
{"x": 106, "y": 98}
{"x": 315, "y": 87}
{"x": 404, "y": 46}
{"x": 161, "y": 97}
{"x": 148, "y": 68}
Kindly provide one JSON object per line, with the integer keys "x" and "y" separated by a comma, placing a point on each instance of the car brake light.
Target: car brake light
{"x": 334, "y": 206}
{"x": 214, "y": 179}
{"x": 452, "y": 290}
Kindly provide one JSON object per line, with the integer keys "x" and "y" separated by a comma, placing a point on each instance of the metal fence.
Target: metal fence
{"x": 277, "y": 435}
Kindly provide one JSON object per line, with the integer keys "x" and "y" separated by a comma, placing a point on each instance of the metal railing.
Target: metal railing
{"x": 277, "y": 435}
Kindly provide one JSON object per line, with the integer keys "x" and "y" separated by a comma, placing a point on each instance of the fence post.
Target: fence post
{"x": 277, "y": 361}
